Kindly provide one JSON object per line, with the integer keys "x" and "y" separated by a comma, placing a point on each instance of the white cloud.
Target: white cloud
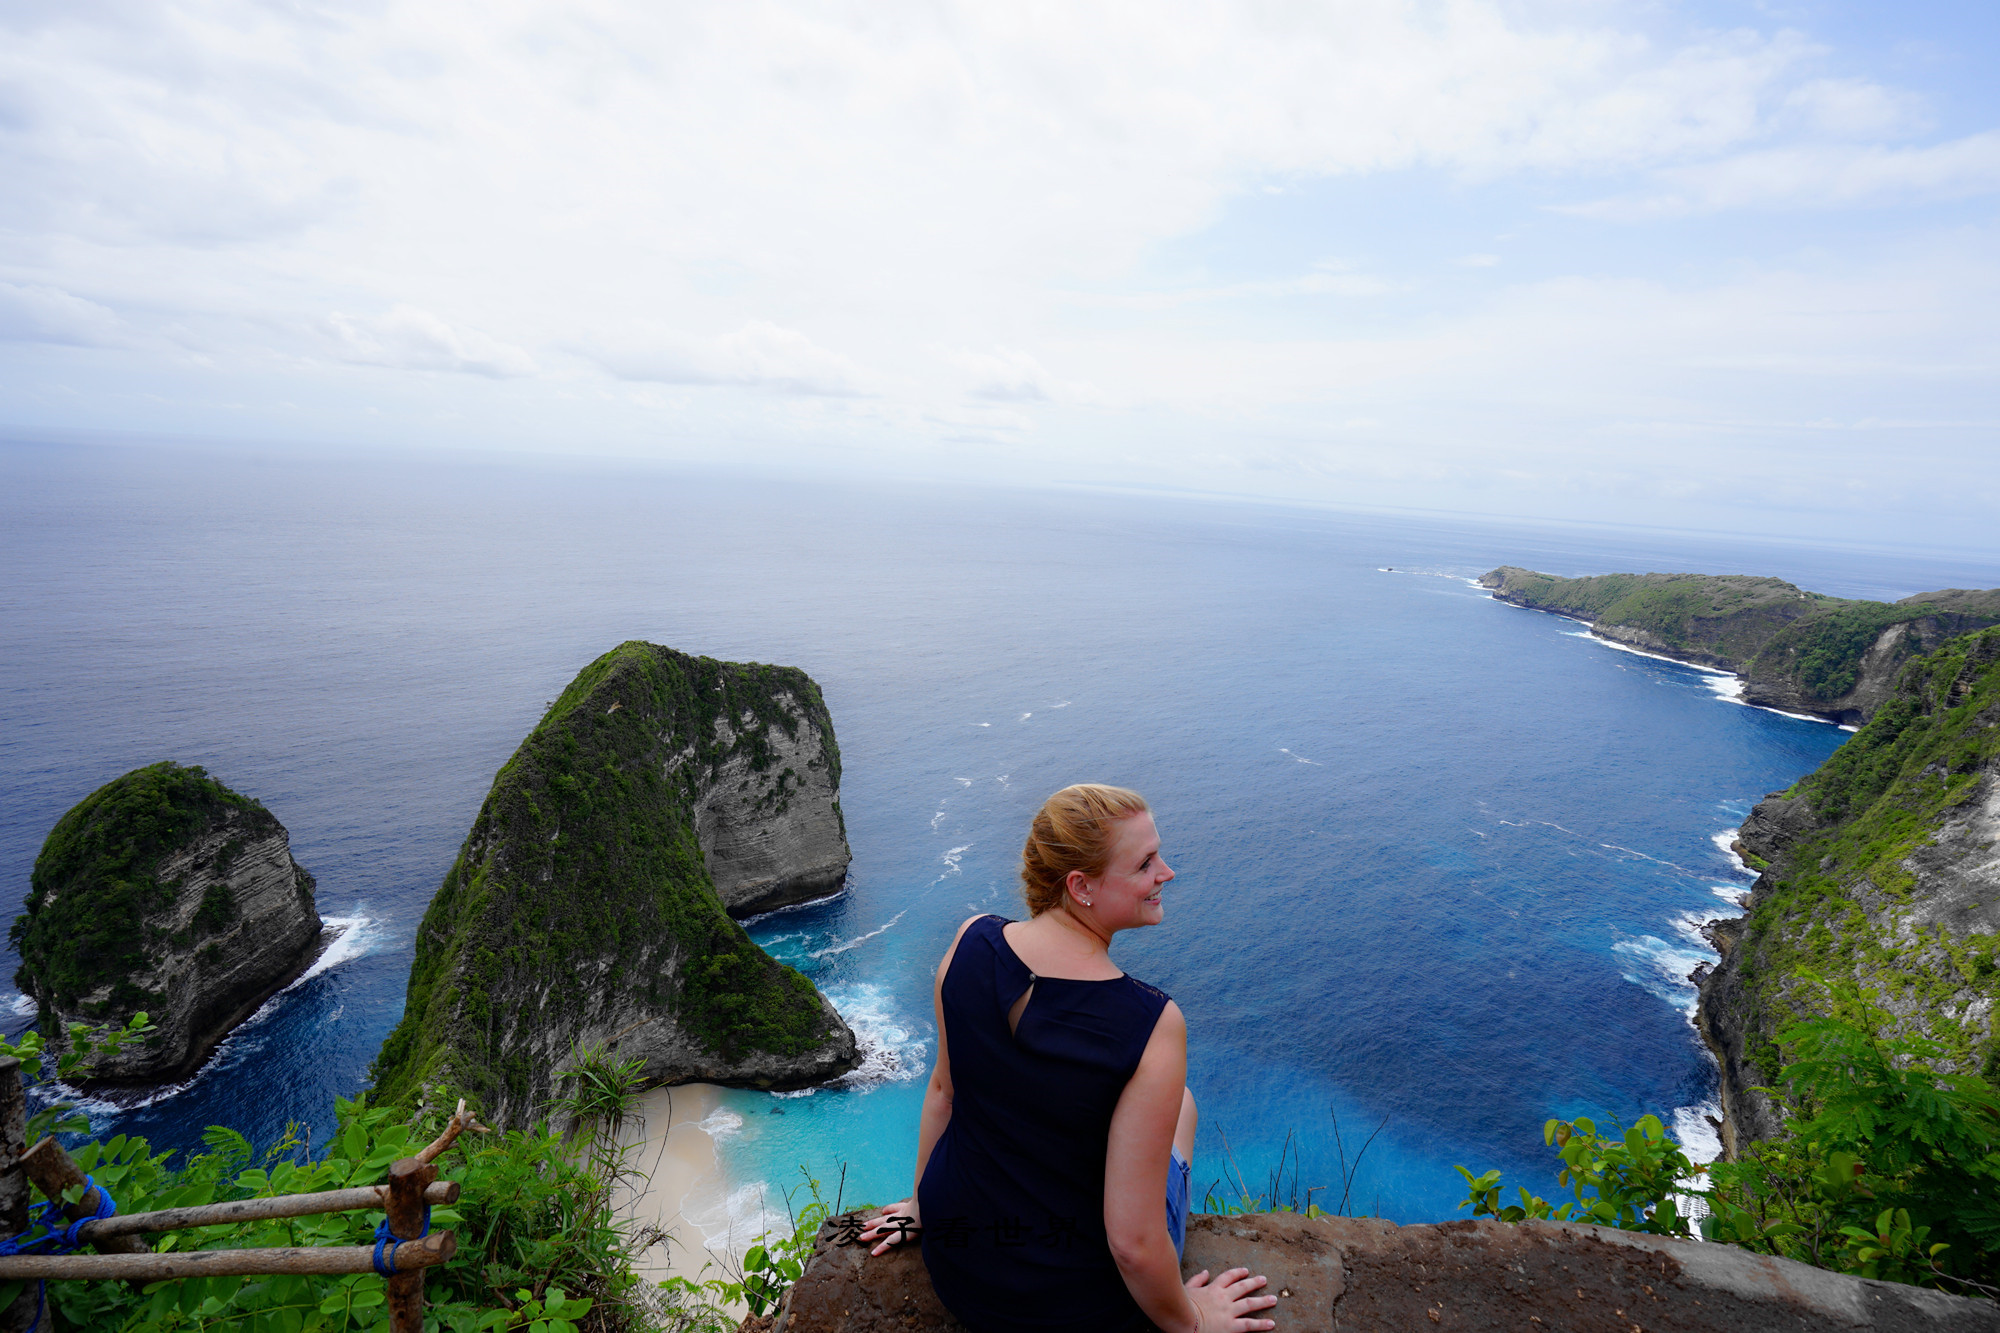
{"x": 760, "y": 355}
{"x": 881, "y": 227}
{"x": 407, "y": 338}
{"x": 36, "y": 313}
{"x": 1816, "y": 176}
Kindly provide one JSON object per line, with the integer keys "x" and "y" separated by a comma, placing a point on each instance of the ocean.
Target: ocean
{"x": 1441, "y": 861}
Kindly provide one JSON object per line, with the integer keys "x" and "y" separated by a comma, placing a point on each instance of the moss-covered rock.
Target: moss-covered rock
{"x": 582, "y": 909}
{"x": 167, "y": 892}
{"x": 1882, "y": 869}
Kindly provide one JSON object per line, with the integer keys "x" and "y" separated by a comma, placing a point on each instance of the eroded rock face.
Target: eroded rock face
{"x": 773, "y": 836}
{"x": 165, "y": 892}
{"x": 1895, "y": 838}
{"x": 1347, "y": 1273}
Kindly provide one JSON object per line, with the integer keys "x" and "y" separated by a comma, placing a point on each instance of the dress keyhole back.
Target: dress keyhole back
{"x": 1020, "y": 1006}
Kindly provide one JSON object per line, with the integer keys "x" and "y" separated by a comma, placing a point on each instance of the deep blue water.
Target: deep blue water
{"x": 1439, "y": 859}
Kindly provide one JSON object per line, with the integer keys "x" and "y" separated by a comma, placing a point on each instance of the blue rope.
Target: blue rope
{"x": 58, "y": 1240}
{"x": 386, "y": 1242}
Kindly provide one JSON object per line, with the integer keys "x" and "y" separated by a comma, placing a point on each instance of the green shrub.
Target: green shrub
{"x": 1889, "y": 1169}
{"x": 539, "y": 1245}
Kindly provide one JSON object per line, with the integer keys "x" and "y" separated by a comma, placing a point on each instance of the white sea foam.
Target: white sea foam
{"x": 1026, "y": 716}
{"x": 357, "y": 936}
{"x": 1063, "y": 704}
{"x": 891, "y": 1050}
{"x": 1727, "y": 688}
{"x": 1725, "y": 842}
{"x": 1695, "y": 1135}
{"x": 1661, "y": 968}
{"x": 730, "y": 1223}
{"x": 982, "y": 724}
{"x": 844, "y": 945}
{"x": 937, "y": 817}
{"x": 1641, "y": 652}
{"x": 24, "y": 1005}
{"x": 1298, "y": 758}
{"x": 1733, "y": 894}
{"x": 963, "y": 782}
{"x": 721, "y": 1123}
{"x": 749, "y": 921}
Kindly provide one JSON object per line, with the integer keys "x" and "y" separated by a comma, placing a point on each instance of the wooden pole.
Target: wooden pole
{"x": 53, "y": 1172}
{"x": 408, "y": 1179}
{"x": 413, "y": 1255}
{"x": 257, "y": 1210}
{"x": 18, "y": 1317}
{"x": 461, "y": 1120}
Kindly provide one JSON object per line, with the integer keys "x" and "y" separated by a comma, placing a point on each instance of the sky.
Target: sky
{"x": 1712, "y": 265}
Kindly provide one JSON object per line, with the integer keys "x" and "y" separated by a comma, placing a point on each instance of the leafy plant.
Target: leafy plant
{"x": 83, "y": 1043}
{"x": 1627, "y": 1180}
{"x": 1890, "y": 1168}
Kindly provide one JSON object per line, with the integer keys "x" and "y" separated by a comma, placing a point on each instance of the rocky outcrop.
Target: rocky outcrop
{"x": 1797, "y": 651}
{"x": 587, "y": 906}
{"x": 1869, "y": 645}
{"x": 773, "y": 836}
{"x": 164, "y": 892}
{"x": 1881, "y": 870}
{"x": 1334, "y": 1273}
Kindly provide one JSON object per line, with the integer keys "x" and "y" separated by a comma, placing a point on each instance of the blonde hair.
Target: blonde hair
{"x": 1072, "y": 831}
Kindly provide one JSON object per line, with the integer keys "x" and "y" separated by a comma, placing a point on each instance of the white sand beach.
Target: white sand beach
{"x": 683, "y": 1188}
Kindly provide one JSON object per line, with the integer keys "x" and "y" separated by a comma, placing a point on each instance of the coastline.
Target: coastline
{"x": 679, "y": 1171}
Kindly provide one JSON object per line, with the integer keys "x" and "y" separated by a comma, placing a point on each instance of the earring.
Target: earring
{"x": 1086, "y": 902}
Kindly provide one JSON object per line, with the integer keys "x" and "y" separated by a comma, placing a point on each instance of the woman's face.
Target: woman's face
{"x": 1127, "y": 894}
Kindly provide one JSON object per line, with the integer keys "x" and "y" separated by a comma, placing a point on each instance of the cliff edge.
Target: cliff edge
{"x": 590, "y": 902}
{"x": 1879, "y": 869}
{"x": 1798, "y": 651}
{"x": 163, "y": 891}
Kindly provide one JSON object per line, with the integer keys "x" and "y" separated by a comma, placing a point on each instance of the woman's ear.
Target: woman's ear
{"x": 1078, "y": 886}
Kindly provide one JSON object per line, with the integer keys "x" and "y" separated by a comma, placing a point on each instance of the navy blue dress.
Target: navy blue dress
{"x": 1013, "y": 1195}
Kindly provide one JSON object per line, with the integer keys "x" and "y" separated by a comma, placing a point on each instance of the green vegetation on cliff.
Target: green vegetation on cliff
{"x": 1854, "y": 893}
{"x": 1723, "y": 616}
{"x": 580, "y": 900}
{"x": 1798, "y": 649}
{"x": 96, "y": 882}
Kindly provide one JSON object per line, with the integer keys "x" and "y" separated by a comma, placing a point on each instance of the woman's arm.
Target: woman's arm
{"x": 1135, "y": 1201}
{"x": 936, "y": 1115}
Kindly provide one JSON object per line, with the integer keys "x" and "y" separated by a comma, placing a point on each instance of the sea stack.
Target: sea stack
{"x": 164, "y": 891}
{"x": 591, "y": 903}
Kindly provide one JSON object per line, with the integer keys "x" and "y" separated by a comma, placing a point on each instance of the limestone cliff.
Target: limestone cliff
{"x": 1797, "y": 651}
{"x": 587, "y": 905}
{"x": 1878, "y": 869}
{"x": 164, "y": 891}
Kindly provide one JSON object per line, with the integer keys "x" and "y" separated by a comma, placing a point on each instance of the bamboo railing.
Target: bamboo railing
{"x": 122, "y": 1256}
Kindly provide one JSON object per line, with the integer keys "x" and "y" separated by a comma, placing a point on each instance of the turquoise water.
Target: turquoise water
{"x": 1440, "y": 860}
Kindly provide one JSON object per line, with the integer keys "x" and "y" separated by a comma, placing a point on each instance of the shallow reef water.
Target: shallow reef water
{"x": 1440, "y": 861}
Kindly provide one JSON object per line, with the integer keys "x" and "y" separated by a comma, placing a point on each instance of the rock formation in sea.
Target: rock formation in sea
{"x": 1797, "y": 651}
{"x": 164, "y": 892}
{"x": 1881, "y": 870}
{"x": 590, "y": 904}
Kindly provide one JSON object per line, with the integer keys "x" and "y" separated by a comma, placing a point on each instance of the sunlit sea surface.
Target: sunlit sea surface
{"x": 1441, "y": 861}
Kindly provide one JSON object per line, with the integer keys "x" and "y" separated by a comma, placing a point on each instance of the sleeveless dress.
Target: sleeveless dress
{"x": 1013, "y": 1194}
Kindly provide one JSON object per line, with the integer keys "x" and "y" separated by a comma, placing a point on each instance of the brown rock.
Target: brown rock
{"x": 1353, "y": 1273}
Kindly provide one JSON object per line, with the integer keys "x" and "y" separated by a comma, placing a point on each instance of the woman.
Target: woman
{"x": 1058, "y": 1118}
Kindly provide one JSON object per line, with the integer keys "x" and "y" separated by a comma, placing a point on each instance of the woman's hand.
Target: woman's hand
{"x": 895, "y": 1224}
{"x": 1229, "y": 1304}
